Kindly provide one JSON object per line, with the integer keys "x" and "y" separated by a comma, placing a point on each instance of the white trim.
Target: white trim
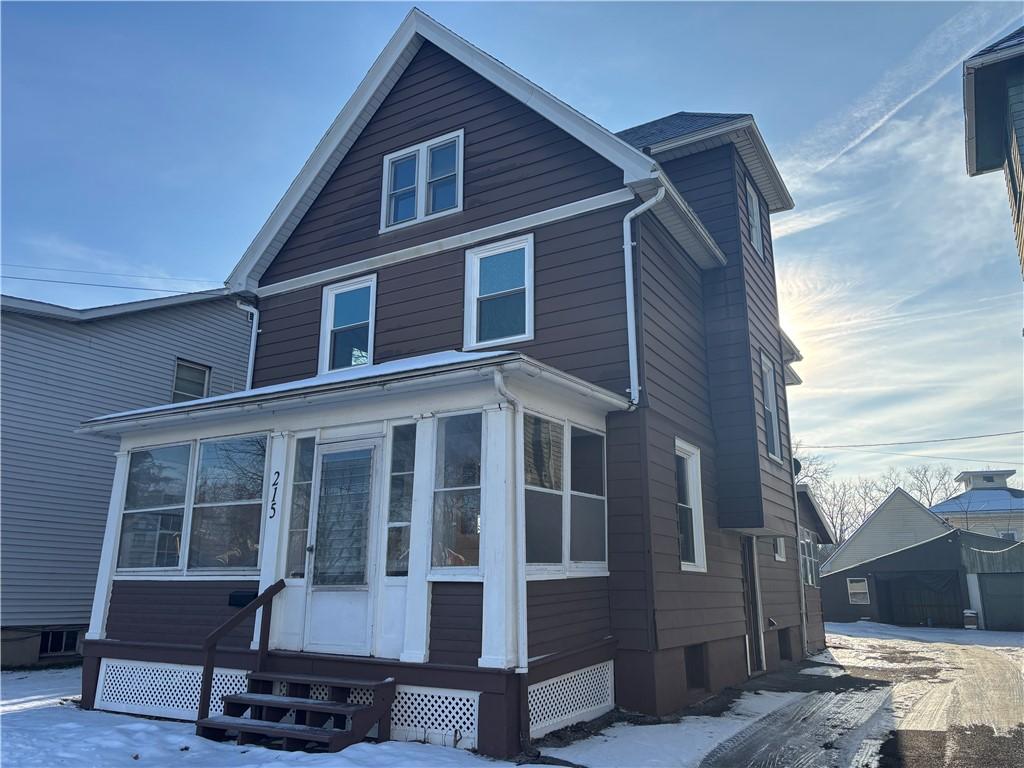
{"x": 453, "y": 242}
{"x": 472, "y": 290}
{"x": 866, "y": 593}
{"x": 754, "y": 219}
{"x": 692, "y": 455}
{"x": 385, "y": 71}
{"x": 330, "y": 292}
{"x": 779, "y": 548}
{"x": 760, "y": 603}
{"x": 180, "y": 362}
{"x": 417, "y": 596}
{"x": 108, "y": 553}
{"x": 568, "y": 691}
{"x": 420, "y": 185}
{"x": 278, "y": 446}
{"x": 770, "y": 402}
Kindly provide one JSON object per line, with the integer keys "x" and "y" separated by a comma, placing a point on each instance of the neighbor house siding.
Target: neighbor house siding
{"x": 516, "y": 163}
{"x": 579, "y": 308}
{"x": 566, "y": 614}
{"x": 456, "y": 622}
{"x": 812, "y": 595}
{"x": 56, "y": 489}
{"x": 178, "y": 612}
{"x": 689, "y": 607}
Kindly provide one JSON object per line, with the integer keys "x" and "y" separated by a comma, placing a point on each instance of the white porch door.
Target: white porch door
{"x": 341, "y": 571}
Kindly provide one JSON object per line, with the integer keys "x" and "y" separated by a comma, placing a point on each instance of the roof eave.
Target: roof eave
{"x": 776, "y": 194}
{"x": 681, "y": 221}
{"x": 70, "y": 314}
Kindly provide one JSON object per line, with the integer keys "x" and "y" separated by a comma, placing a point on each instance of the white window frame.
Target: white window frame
{"x": 422, "y": 152}
{"x": 327, "y": 320}
{"x": 569, "y": 568}
{"x": 388, "y": 524}
{"x": 770, "y": 398}
{"x": 178, "y": 361}
{"x": 866, "y": 593}
{"x": 182, "y": 569}
{"x": 809, "y": 564}
{"x": 779, "y": 548}
{"x": 472, "y": 291}
{"x": 692, "y": 455}
{"x": 754, "y": 219}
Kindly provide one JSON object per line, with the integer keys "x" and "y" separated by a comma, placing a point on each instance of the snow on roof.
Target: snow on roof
{"x": 984, "y": 501}
{"x": 346, "y": 375}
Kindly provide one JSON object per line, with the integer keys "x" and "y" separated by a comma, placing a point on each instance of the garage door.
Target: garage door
{"x": 1002, "y": 599}
{"x": 928, "y": 598}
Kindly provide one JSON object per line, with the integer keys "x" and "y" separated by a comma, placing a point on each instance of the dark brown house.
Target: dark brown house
{"x": 517, "y": 448}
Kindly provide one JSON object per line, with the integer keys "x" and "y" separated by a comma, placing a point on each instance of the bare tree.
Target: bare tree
{"x": 930, "y": 483}
{"x": 814, "y": 469}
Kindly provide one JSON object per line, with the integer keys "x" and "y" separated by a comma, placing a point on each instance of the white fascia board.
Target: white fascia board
{"x": 757, "y": 158}
{"x": 385, "y": 71}
{"x": 59, "y": 312}
{"x": 673, "y": 209}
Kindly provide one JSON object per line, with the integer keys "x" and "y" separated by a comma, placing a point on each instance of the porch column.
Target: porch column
{"x": 273, "y": 513}
{"x": 108, "y": 554}
{"x": 417, "y": 596}
{"x": 498, "y": 533}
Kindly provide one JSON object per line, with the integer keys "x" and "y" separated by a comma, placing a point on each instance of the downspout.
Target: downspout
{"x": 628, "y": 265}
{"x": 254, "y": 315}
{"x": 522, "y": 653}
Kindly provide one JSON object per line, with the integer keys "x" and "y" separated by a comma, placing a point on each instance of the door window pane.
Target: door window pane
{"x": 586, "y": 529}
{"x": 150, "y": 539}
{"x": 343, "y": 518}
{"x": 298, "y": 519}
{"x": 158, "y": 477}
{"x": 543, "y": 527}
{"x": 225, "y": 536}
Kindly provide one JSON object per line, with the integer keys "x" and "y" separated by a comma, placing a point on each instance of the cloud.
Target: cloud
{"x": 939, "y": 53}
{"x": 802, "y": 220}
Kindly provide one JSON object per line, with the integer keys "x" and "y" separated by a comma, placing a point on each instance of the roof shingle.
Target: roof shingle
{"x": 674, "y": 126}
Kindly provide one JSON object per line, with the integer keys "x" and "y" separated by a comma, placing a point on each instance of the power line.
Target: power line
{"x": 109, "y": 274}
{"x": 941, "y": 458}
{"x": 108, "y": 285}
{"x": 920, "y": 442}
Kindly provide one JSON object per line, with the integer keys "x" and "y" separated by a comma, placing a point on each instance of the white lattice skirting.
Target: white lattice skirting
{"x": 161, "y": 690}
{"x": 571, "y": 698}
{"x": 435, "y": 715}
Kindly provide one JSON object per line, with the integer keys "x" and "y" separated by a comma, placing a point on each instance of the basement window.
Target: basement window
{"x": 857, "y": 590}
{"x": 696, "y": 667}
{"x": 422, "y": 182}
{"x": 58, "y": 642}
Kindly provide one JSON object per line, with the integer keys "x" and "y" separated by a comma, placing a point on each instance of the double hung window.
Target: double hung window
{"x": 689, "y": 508}
{"x": 809, "y": 557}
{"x": 754, "y": 219}
{"x": 771, "y": 407}
{"x": 857, "y": 591}
{"x": 422, "y": 182}
{"x": 499, "y": 293}
{"x": 346, "y": 324}
{"x": 191, "y": 381}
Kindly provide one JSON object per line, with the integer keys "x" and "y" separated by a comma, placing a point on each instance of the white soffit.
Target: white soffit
{"x": 373, "y": 89}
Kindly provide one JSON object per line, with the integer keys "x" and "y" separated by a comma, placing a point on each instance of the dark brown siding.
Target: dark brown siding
{"x": 566, "y": 614}
{"x": 179, "y": 612}
{"x": 690, "y": 607}
{"x": 456, "y": 622}
{"x": 579, "y": 305}
{"x": 780, "y": 597}
{"x": 516, "y": 163}
{"x": 763, "y": 317}
{"x": 708, "y": 182}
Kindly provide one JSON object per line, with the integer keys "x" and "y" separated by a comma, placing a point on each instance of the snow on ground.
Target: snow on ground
{"x": 926, "y": 634}
{"x": 679, "y": 745}
{"x": 40, "y": 728}
{"x": 867, "y": 643}
{"x": 824, "y": 671}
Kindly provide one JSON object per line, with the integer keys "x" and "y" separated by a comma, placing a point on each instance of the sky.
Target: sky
{"x": 145, "y": 145}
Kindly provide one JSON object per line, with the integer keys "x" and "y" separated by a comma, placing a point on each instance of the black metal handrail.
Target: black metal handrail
{"x": 264, "y": 600}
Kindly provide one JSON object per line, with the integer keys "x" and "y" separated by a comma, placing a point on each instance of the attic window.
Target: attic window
{"x": 422, "y": 182}
{"x": 754, "y": 219}
{"x": 988, "y": 478}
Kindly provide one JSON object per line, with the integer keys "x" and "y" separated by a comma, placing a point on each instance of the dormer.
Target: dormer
{"x": 985, "y": 478}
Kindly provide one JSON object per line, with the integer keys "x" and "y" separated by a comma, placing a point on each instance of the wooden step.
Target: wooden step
{"x": 301, "y": 733}
{"x": 293, "y": 702}
{"x": 331, "y": 682}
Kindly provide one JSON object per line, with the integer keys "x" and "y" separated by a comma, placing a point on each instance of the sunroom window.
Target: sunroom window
{"x": 565, "y": 515}
{"x": 346, "y": 324}
{"x": 301, "y": 498}
{"x": 403, "y": 461}
{"x": 217, "y": 500}
{"x": 422, "y": 182}
{"x": 499, "y": 293}
{"x": 456, "y": 525}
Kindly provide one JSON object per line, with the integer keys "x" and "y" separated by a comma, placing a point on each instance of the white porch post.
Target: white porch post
{"x": 417, "y": 596}
{"x": 108, "y": 554}
{"x": 498, "y": 526}
{"x": 273, "y": 513}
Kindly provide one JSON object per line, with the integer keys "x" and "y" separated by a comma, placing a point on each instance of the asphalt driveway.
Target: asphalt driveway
{"x": 894, "y": 698}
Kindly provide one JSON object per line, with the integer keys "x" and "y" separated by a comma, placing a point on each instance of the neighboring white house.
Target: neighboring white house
{"x": 899, "y": 522}
{"x": 987, "y": 505}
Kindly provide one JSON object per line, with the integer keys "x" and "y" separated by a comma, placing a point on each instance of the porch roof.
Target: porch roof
{"x": 362, "y": 378}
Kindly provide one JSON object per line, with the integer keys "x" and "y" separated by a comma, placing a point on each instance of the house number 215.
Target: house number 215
{"x": 273, "y": 494}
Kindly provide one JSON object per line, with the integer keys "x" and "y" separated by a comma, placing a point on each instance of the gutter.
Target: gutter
{"x": 254, "y": 315}
{"x": 628, "y": 262}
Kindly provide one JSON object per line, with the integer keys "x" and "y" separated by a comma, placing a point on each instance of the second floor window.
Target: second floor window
{"x": 771, "y": 407}
{"x": 422, "y": 182}
{"x": 754, "y": 219}
{"x": 499, "y": 293}
{"x": 346, "y": 324}
{"x": 191, "y": 381}
{"x": 689, "y": 508}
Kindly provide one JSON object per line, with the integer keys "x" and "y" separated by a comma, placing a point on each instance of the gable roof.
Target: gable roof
{"x": 639, "y": 171}
{"x": 806, "y": 498}
{"x": 686, "y": 133}
{"x": 898, "y": 522}
{"x": 60, "y": 312}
